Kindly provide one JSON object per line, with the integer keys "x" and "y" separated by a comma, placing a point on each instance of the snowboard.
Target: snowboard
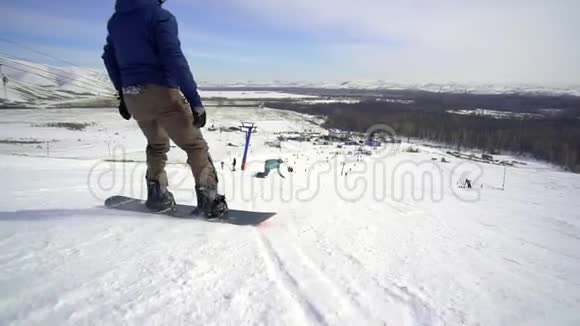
{"x": 235, "y": 217}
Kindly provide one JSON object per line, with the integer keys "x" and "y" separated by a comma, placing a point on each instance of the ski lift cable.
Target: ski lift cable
{"x": 72, "y": 81}
{"x": 22, "y": 84}
{"x": 18, "y": 85}
{"x": 78, "y": 81}
{"x": 92, "y": 90}
{"x": 48, "y": 55}
{"x": 13, "y": 81}
{"x": 31, "y": 69}
{"x": 43, "y": 76}
{"x": 51, "y": 78}
{"x": 26, "y": 47}
{"x": 16, "y": 59}
{"x": 25, "y": 87}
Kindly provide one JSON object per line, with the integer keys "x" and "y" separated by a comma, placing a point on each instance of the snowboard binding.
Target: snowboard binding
{"x": 159, "y": 199}
{"x": 210, "y": 205}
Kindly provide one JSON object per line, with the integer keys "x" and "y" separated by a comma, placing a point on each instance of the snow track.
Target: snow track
{"x": 307, "y": 285}
{"x": 400, "y": 305}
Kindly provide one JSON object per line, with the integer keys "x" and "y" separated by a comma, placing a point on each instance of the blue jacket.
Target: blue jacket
{"x": 143, "y": 48}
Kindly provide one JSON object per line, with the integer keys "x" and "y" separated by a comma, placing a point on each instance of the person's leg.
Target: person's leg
{"x": 157, "y": 148}
{"x": 142, "y": 107}
{"x": 177, "y": 121}
{"x": 158, "y": 196}
{"x": 173, "y": 115}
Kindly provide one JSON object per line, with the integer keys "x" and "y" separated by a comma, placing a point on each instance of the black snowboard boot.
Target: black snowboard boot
{"x": 158, "y": 197}
{"x": 210, "y": 204}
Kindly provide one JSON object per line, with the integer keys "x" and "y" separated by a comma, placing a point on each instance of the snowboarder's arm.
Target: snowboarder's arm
{"x": 111, "y": 64}
{"x": 173, "y": 59}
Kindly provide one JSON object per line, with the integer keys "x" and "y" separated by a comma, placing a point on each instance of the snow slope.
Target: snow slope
{"x": 40, "y": 84}
{"x": 44, "y": 85}
{"x": 382, "y": 245}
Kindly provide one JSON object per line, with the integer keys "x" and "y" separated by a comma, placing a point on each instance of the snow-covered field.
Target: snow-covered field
{"x": 395, "y": 241}
{"x": 231, "y": 94}
{"x": 496, "y": 114}
{"x": 329, "y": 101}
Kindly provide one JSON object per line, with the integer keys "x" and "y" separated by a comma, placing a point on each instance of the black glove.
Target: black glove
{"x": 123, "y": 107}
{"x": 199, "y": 116}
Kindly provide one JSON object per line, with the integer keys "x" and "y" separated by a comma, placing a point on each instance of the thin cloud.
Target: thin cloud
{"x": 506, "y": 41}
{"x": 415, "y": 41}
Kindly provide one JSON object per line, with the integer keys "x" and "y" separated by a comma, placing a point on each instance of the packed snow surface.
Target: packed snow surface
{"x": 390, "y": 238}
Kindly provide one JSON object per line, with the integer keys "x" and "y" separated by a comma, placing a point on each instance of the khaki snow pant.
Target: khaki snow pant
{"x": 163, "y": 114}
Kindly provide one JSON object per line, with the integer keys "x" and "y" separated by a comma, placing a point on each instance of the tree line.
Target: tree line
{"x": 555, "y": 138}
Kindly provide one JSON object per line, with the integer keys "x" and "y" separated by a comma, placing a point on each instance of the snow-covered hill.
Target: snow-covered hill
{"x": 430, "y": 87}
{"x": 40, "y": 85}
{"x": 473, "y": 88}
{"x": 37, "y": 84}
{"x": 388, "y": 238}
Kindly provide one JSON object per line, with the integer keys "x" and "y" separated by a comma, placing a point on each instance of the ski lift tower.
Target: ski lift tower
{"x": 4, "y": 83}
{"x": 249, "y": 128}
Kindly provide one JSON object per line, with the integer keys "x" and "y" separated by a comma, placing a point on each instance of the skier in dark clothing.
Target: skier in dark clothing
{"x": 468, "y": 183}
{"x": 149, "y": 71}
{"x": 234, "y": 164}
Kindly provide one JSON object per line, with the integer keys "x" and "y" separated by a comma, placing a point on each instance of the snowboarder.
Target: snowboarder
{"x": 270, "y": 165}
{"x": 149, "y": 71}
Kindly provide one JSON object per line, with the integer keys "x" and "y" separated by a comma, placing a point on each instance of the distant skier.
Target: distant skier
{"x": 234, "y": 164}
{"x": 222, "y": 164}
{"x": 148, "y": 69}
{"x": 467, "y": 183}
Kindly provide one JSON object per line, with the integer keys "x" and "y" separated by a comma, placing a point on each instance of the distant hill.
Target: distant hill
{"x": 43, "y": 85}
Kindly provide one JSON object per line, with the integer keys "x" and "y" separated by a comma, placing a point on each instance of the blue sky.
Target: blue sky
{"x": 491, "y": 41}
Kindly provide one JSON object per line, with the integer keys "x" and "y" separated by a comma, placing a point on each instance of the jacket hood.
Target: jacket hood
{"x": 130, "y": 5}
